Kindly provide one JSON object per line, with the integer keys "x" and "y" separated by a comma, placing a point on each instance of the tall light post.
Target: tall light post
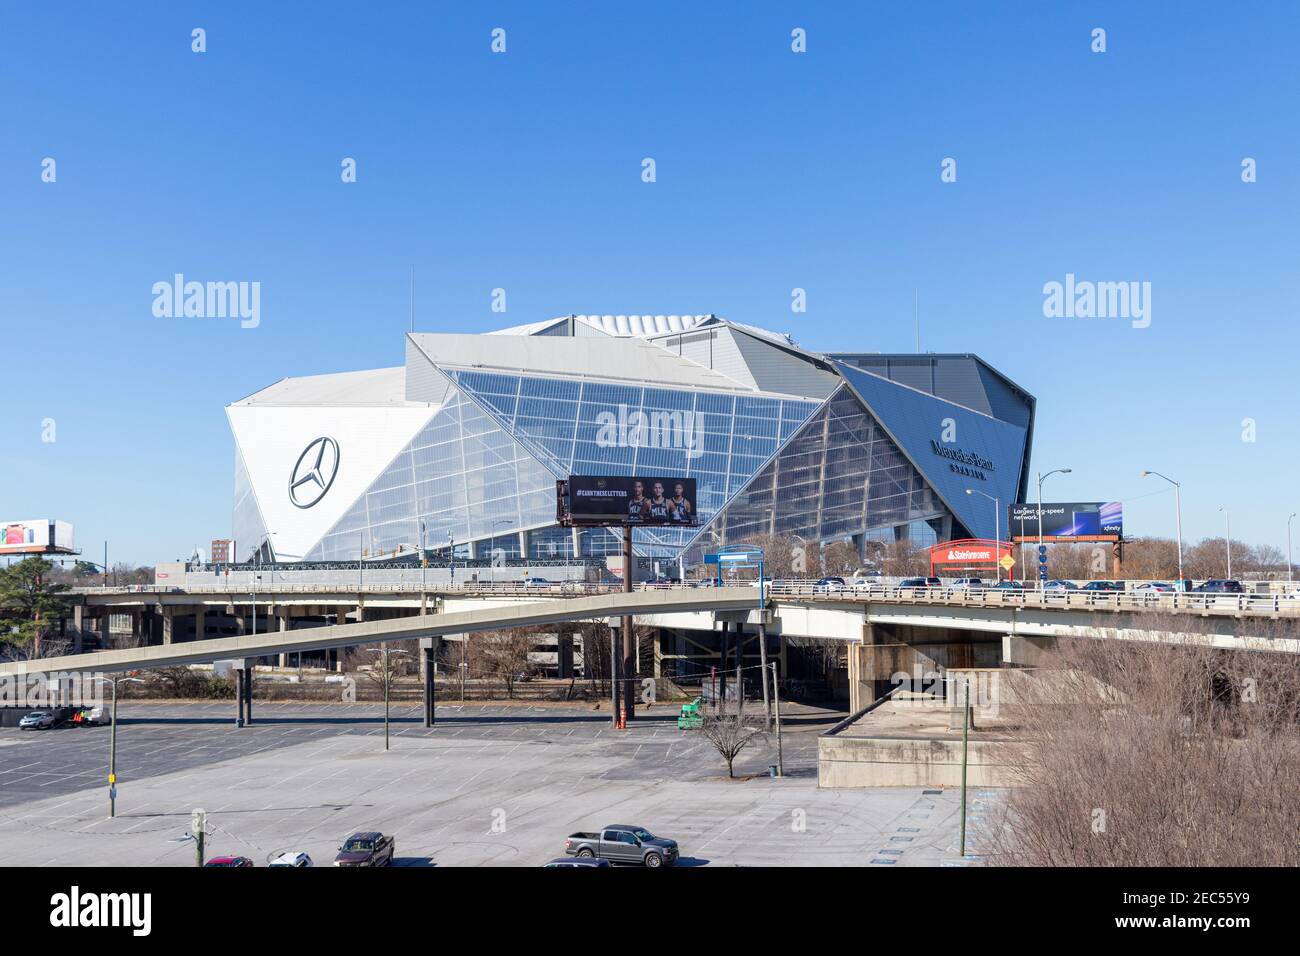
{"x": 1288, "y": 546}
{"x": 451, "y": 557}
{"x": 997, "y": 521}
{"x": 1178, "y": 518}
{"x": 424, "y": 563}
{"x": 1228, "y": 517}
{"x": 112, "y": 741}
{"x": 388, "y": 680}
{"x": 1042, "y": 564}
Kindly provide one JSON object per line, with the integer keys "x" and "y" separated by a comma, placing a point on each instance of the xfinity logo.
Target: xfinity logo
{"x": 314, "y": 473}
{"x": 133, "y": 910}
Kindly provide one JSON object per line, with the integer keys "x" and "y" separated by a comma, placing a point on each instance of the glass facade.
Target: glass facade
{"x": 481, "y": 472}
{"x": 839, "y": 477}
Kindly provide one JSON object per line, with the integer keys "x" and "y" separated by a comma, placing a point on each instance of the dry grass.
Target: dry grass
{"x": 1155, "y": 755}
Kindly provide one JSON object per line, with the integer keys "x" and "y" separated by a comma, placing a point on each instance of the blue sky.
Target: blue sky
{"x": 521, "y": 170}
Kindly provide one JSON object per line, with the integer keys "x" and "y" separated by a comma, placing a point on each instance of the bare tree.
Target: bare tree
{"x": 729, "y": 734}
{"x": 506, "y": 655}
{"x": 1140, "y": 753}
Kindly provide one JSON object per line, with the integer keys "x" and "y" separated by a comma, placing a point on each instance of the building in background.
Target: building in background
{"x": 222, "y": 551}
{"x": 460, "y": 447}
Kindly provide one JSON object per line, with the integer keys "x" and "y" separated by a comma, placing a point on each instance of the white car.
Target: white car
{"x": 290, "y": 858}
{"x": 37, "y": 720}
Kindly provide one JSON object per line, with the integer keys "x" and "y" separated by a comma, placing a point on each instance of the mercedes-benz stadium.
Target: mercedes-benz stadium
{"x": 459, "y": 448}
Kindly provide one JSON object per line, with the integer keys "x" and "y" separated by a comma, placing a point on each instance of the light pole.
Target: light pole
{"x": 388, "y": 679}
{"x": 424, "y": 563}
{"x": 1288, "y": 546}
{"x": 1042, "y": 562}
{"x": 1178, "y": 518}
{"x": 1228, "y": 517}
{"x": 112, "y": 742}
{"x": 451, "y": 557}
{"x": 997, "y": 520}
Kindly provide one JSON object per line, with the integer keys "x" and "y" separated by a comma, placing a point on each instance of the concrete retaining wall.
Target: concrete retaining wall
{"x": 906, "y": 762}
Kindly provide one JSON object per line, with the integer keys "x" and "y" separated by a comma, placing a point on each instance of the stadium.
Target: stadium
{"x": 459, "y": 448}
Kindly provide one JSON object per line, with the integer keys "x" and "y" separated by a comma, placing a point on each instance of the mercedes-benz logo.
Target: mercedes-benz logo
{"x": 314, "y": 472}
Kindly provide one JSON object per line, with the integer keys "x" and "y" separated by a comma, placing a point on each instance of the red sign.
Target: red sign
{"x": 968, "y": 553}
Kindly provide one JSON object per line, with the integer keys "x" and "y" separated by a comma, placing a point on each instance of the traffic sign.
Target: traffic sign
{"x": 112, "y": 779}
{"x": 1042, "y": 551}
{"x": 1007, "y": 562}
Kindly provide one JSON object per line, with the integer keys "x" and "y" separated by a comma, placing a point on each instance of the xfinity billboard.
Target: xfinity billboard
{"x": 1087, "y": 520}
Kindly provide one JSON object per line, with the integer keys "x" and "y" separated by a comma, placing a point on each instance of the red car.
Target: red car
{"x": 229, "y": 861}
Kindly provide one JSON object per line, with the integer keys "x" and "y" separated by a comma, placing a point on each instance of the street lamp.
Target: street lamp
{"x": 997, "y": 521}
{"x": 1228, "y": 517}
{"x": 1042, "y": 564}
{"x": 112, "y": 741}
{"x": 1288, "y": 546}
{"x": 1178, "y": 518}
{"x": 388, "y": 679}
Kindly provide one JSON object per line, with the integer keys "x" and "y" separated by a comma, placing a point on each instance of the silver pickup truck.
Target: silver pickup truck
{"x": 622, "y": 843}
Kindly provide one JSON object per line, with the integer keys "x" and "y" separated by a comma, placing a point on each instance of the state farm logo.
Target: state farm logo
{"x": 968, "y": 555}
{"x": 314, "y": 472}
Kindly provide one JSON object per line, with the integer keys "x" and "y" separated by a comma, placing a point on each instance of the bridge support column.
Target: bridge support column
{"x": 78, "y": 623}
{"x": 105, "y": 642}
{"x": 200, "y": 624}
{"x": 1026, "y": 651}
{"x": 168, "y": 623}
{"x": 564, "y": 654}
{"x": 429, "y": 667}
{"x": 284, "y": 615}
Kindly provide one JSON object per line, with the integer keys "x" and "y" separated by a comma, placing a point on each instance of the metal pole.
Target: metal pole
{"x": 387, "y": 678}
{"x": 1288, "y": 546}
{"x": 1041, "y": 582}
{"x": 1228, "y": 517}
{"x": 105, "y": 563}
{"x": 198, "y": 843}
{"x": 463, "y": 639}
{"x": 613, "y": 678}
{"x": 629, "y": 659}
{"x": 965, "y": 735}
{"x": 112, "y": 757}
{"x": 776, "y": 700}
{"x": 1178, "y": 514}
{"x": 997, "y": 535}
{"x": 762, "y": 657}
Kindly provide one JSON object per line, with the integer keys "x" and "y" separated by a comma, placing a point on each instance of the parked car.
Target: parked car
{"x": 1154, "y": 588}
{"x": 662, "y": 581}
{"x": 224, "y": 861}
{"x": 369, "y": 848}
{"x": 575, "y": 861}
{"x": 91, "y": 716}
{"x": 622, "y": 843}
{"x": 536, "y": 583}
{"x": 969, "y": 583}
{"x": 1056, "y": 585}
{"x": 37, "y": 720}
{"x": 920, "y": 583}
{"x": 290, "y": 858}
{"x": 1220, "y": 586}
{"x": 829, "y": 586}
{"x": 866, "y": 582}
{"x": 1009, "y": 586}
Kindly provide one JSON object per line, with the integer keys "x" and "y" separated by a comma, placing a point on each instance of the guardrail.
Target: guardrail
{"x": 1049, "y": 599}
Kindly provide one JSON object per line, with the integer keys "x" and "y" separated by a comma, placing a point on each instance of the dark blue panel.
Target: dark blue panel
{"x": 916, "y": 422}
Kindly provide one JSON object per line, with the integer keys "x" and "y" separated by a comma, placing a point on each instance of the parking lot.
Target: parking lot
{"x": 491, "y": 784}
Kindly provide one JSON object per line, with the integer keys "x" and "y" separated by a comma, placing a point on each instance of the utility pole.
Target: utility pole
{"x": 776, "y": 700}
{"x": 1228, "y": 517}
{"x": 629, "y": 652}
{"x": 965, "y": 736}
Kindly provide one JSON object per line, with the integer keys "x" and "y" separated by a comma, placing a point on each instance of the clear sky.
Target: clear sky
{"x": 775, "y": 170}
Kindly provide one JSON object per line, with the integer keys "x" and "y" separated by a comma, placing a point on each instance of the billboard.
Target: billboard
{"x": 35, "y": 536}
{"x": 621, "y": 500}
{"x": 1072, "y": 519}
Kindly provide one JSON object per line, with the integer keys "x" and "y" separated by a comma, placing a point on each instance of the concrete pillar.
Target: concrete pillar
{"x": 428, "y": 665}
{"x": 168, "y": 623}
{"x": 199, "y": 623}
{"x": 564, "y": 654}
{"x": 78, "y": 623}
{"x": 104, "y": 639}
{"x": 284, "y": 616}
{"x": 1026, "y": 651}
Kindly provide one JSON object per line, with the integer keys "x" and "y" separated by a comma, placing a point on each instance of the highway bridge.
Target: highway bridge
{"x": 885, "y": 628}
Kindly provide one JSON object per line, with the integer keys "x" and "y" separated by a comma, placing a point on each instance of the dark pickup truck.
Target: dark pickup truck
{"x": 621, "y": 843}
{"x": 366, "y": 849}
